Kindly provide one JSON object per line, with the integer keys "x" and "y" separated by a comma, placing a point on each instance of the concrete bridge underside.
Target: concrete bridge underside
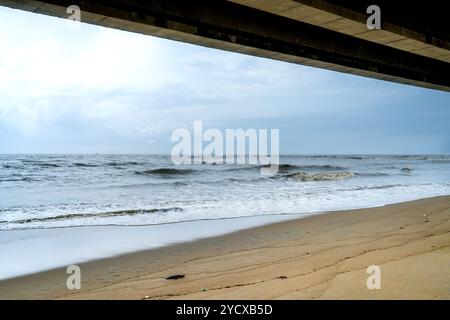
{"x": 412, "y": 47}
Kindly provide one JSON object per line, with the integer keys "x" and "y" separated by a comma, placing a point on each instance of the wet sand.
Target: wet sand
{"x": 319, "y": 257}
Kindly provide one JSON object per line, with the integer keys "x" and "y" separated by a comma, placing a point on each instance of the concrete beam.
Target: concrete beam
{"x": 230, "y": 26}
{"x": 407, "y": 26}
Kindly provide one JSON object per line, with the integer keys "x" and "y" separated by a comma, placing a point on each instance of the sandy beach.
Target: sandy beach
{"x": 318, "y": 257}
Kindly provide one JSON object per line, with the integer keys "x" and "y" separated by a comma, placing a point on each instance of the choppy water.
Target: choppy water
{"x": 42, "y": 191}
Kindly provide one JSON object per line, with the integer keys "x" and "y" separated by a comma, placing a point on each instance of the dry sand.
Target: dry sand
{"x": 319, "y": 257}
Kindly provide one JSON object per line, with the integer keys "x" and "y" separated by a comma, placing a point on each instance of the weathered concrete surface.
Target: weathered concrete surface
{"x": 411, "y": 49}
{"x": 423, "y": 30}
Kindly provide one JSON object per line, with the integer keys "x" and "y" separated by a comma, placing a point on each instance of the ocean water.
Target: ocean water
{"x": 48, "y": 191}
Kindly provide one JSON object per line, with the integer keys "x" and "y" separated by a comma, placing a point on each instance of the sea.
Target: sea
{"x": 53, "y": 191}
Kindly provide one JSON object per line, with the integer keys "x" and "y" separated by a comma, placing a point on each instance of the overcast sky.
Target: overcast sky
{"x": 87, "y": 89}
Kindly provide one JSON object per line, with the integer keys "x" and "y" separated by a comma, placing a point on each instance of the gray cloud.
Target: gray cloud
{"x": 91, "y": 89}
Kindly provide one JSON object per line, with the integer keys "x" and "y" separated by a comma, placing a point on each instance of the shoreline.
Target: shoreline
{"x": 252, "y": 251}
{"x": 110, "y": 241}
{"x": 110, "y": 247}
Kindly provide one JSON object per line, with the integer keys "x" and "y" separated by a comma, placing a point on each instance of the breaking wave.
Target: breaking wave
{"x": 87, "y": 165}
{"x": 329, "y": 176}
{"x": 64, "y": 217}
{"x": 282, "y": 168}
{"x": 118, "y": 164}
{"x": 165, "y": 171}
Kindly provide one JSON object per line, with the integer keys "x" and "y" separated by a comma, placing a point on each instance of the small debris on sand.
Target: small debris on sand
{"x": 175, "y": 277}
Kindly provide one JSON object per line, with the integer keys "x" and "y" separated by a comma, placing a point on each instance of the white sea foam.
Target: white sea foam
{"x": 33, "y": 250}
{"x": 63, "y": 191}
{"x": 42, "y": 192}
